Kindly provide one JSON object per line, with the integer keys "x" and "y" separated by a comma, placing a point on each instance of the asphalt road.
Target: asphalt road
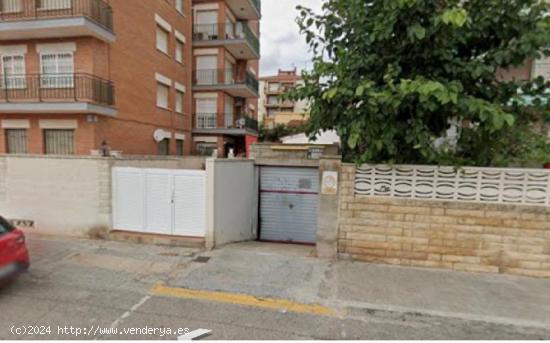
{"x": 79, "y": 289}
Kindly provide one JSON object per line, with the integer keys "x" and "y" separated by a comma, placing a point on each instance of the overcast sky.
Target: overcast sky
{"x": 282, "y": 45}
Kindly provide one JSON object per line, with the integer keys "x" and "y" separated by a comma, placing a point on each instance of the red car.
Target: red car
{"x": 14, "y": 256}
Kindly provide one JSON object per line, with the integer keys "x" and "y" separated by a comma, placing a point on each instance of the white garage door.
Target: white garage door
{"x": 289, "y": 204}
{"x": 169, "y": 202}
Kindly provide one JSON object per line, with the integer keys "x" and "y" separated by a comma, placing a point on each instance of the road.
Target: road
{"x": 82, "y": 289}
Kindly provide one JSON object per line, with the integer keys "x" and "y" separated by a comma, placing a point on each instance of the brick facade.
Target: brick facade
{"x": 508, "y": 239}
{"x": 131, "y": 62}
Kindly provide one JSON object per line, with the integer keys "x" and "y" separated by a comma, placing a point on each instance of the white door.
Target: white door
{"x": 207, "y": 73}
{"x": 190, "y": 204}
{"x": 128, "y": 199}
{"x": 229, "y": 109}
{"x": 160, "y": 201}
{"x": 289, "y": 204}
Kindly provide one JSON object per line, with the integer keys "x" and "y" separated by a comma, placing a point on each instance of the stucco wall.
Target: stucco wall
{"x": 235, "y": 201}
{"x": 493, "y": 238}
{"x": 68, "y": 195}
{"x": 61, "y": 195}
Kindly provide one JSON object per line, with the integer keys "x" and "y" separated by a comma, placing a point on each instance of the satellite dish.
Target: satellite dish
{"x": 159, "y": 135}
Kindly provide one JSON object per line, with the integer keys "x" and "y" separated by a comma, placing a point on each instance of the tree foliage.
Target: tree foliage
{"x": 392, "y": 77}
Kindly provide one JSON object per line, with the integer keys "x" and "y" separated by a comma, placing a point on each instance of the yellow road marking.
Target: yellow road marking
{"x": 242, "y": 299}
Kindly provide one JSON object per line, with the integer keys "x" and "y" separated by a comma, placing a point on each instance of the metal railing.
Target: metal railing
{"x": 56, "y": 88}
{"x": 221, "y": 77}
{"x": 231, "y": 121}
{"x": 226, "y": 31}
{"x": 96, "y": 10}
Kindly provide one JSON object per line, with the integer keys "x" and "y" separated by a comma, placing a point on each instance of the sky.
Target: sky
{"x": 281, "y": 43}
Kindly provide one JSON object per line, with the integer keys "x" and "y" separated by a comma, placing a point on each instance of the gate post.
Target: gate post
{"x": 210, "y": 239}
{"x": 327, "y": 232}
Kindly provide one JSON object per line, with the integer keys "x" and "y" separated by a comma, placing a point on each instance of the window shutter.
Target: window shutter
{"x": 162, "y": 95}
{"x": 59, "y": 142}
{"x": 162, "y": 40}
{"x": 179, "y": 102}
{"x": 16, "y": 140}
{"x": 179, "y": 51}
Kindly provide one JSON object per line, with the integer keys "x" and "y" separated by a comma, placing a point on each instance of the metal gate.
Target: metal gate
{"x": 160, "y": 201}
{"x": 289, "y": 204}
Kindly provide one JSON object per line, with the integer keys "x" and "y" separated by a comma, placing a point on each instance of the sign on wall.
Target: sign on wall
{"x": 330, "y": 183}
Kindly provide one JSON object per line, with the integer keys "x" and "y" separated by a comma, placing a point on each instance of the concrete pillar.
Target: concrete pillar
{"x": 327, "y": 232}
{"x": 209, "y": 239}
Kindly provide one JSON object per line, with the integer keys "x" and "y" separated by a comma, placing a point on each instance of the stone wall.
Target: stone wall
{"x": 477, "y": 237}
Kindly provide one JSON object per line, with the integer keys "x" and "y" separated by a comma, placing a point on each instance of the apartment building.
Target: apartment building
{"x": 226, "y": 53}
{"x": 78, "y": 76}
{"x": 530, "y": 70}
{"x": 273, "y": 109}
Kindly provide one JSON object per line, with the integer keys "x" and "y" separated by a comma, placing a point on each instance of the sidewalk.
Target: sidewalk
{"x": 290, "y": 272}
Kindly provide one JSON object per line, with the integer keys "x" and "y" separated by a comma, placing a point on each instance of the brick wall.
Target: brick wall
{"x": 131, "y": 62}
{"x": 492, "y": 238}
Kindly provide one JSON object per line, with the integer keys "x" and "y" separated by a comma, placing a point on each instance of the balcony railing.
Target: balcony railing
{"x": 226, "y": 31}
{"x": 231, "y": 121}
{"x": 223, "y": 77}
{"x": 56, "y": 88}
{"x": 95, "y": 10}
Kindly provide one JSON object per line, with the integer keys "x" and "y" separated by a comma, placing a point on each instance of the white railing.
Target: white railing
{"x": 472, "y": 184}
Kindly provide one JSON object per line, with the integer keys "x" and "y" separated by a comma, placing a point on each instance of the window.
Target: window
{"x": 164, "y": 147}
{"x": 54, "y": 4}
{"x": 179, "y": 147}
{"x": 273, "y": 100}
{"x": 16, "y": 141}
{"x": 162, "y": 95}
{"x": 179, "y": 6}
{"x": 57, "y": 70}
{"x": 179, "y": 51}
{"x": 162, "y": 39}
{"x": 13, "y": 70}
{"x": 206, "y": 149}
{"x": 59, "y": 142}
{"x": 179, "y": 102}
{"x": 273, "y": 87}
{"x": 271, "y": 112}
{"x": 10, "y": 6}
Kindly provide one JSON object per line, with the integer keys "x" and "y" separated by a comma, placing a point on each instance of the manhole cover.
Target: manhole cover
{"x": 202, "y": 259}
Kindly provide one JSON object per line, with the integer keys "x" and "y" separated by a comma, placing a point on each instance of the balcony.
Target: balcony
{"x": 236, "y": 125}
{"x": 237, "y": 38}
{"x": 280, "y": 104}
{"x": 246, "y": 9}
{"x": 35, "y": 19}
{"x": 225, "y": 80}
{"x": 56, "y": 93}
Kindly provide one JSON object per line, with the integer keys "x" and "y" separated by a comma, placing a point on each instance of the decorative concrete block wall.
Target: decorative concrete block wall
{"x": 460, "y": 235}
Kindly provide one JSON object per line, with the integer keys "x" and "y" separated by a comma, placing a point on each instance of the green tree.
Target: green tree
{"x": 391, "y": 77}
